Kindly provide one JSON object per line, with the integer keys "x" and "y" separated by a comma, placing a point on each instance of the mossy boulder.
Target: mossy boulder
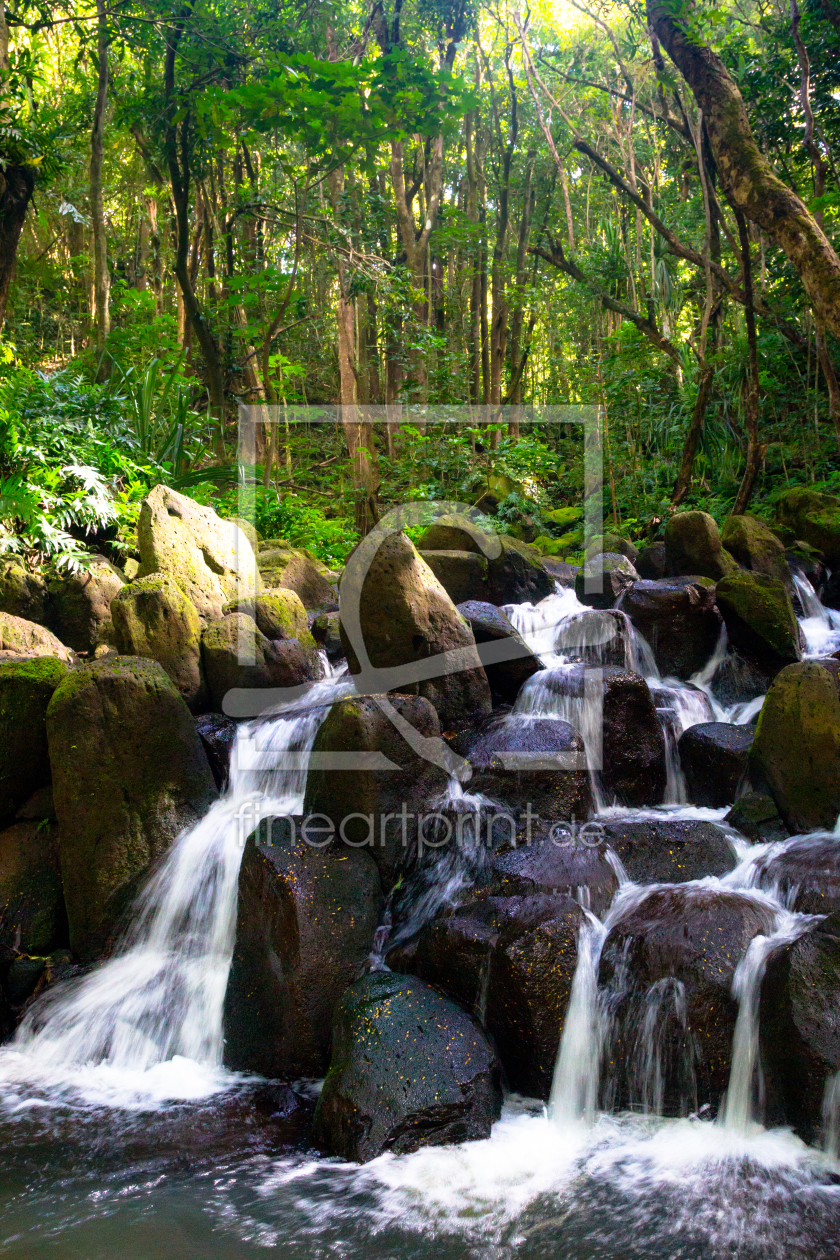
{"x": 397, "y": 615}
{"x": 409, "y": 1069}
{"x": 516, "y": 574}
{"x": 455, "y": 532}
{"x": 80, "y": 605}
{"x": 129, "y": 773}
{"x": 296, "y": 569}
{"x": 327, "y": 634}
{"x": 26, "y": 638}
{"x": 26, "y": 688}
{"x": 305, "y": 925}
{"x": 693, "y": 547}
{"x": 813, "y": 517}
{"x": 237, "y": 655}
{"x": 23, "y": 594}
{"x": 153, "y": 618}
{"x": 279, "y": 614}
{"x": 614, "y": 544}
{"x": 210, "y": 558}
{"x": 759, "y": 617}
{"x": 32, "y": 915}
{"x": 795, "y": 754}
{"x": 603, "y": 580}
{"x": 756, "y": 547}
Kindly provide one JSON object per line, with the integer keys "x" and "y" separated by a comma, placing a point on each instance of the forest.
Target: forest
{"x": 404, "y": 205}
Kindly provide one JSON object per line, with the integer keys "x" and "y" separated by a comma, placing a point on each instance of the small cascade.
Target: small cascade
{"x": 820, "y": 625}
{"x": 443, "y": 874}
{"x": 738, "y": 1112}
{"x": 537, "y": 623}
{"x": 574, "y": 1090}
{"x": 162, "y": 995}
{"x": 831, "y": 1117}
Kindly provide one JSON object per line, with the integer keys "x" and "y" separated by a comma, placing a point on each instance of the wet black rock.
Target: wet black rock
{"x": 678, "y": 618}
{"x": 306, "y": 920}
{"x": 634, "y": 769}
{"x": 668, "y": 966}
{"x": 713, "y": 756}
{"x": 409, "y": 1069}
{"x": 669, "y": 850}
{"x": 737, "y": 680}
{"x": 531, "y": 972}
{"x": 805, "y": 873}
{"x": 799, "y": 1022}
{"x": 217, "y": 733}
{"x": 557, "y": 864}
{"x": 560, "y": 570}
{"x": 540, "y": 762}
{"x": 462, "y": 574}
{"x": 490, "y": 626}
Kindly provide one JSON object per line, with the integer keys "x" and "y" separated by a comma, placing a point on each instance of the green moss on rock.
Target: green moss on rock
{"x": 693, "y": 547}
{"x": 26, "y": 687}
{"x": 759, "y": 617}
{"x": 153, "y": 618}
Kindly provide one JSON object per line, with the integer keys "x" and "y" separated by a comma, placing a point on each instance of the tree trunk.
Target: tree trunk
{"x": 755, "y": 451}
{"x": 701, "y": 403}
{"x": 101, "y": 274}
{"x": 746, "y": 176}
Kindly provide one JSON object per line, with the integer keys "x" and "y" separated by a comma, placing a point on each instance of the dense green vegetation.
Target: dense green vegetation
{"x": 438, "y": 202}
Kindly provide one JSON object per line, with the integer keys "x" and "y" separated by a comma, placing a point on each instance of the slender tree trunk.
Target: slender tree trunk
{"x": 101, "y": 274}
{"x": 755, "y": 450}
{"x": 17, "y": 184}
{"x": 746, "y": 176}
{"x": 518, "y": 309}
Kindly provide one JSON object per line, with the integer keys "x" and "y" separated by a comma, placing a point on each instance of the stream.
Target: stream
{"x": 124, "y": 1138}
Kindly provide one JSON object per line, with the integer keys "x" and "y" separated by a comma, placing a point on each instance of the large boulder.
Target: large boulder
{"x": 462, "y": 574}
{"x": 667, "y": 966}
{"x": 760, "y": 620}
{"x": 679, "y": 620}
{"x": 490, "y": 626}
{"x": 693, "y": 546}
{"x": 80, "y": 605}
{"x": 295, "y": 569}
{"x": 756, "y": 547}
{"x": 32, "y": 915}
{"x": 516, "y": 575}
{"x": 409, "y": 1069}
{"x": 668, "y": 850}
{"x": 26, "y": 638}
{"x": 738, "y": 679}
{"x": 23, "y": 594}
{"x": 560, "y": 571}
{"x": 279, "y": 614}
{"x": 386, "y": 780}
{"x": 210, "y": 558}
{"x": 796, "y": 751}
{"x": 601, "y": 637}
{"x": 604, "y": 579}
{"x": 531, "y": 973}
{"x": 799, "y": 1022}
{"x": 813, "y": 517}
{"x": 305, "y": 925}
{"x": 651, "y": 564}
{"x": 274, "y": 663}
{"x": 129, "y": 772}
{"x": 633, "y": 763}
{"x": 404, "y": 619}
{"x": 555, "y": 863}
{"x": 713, "y": 756}
{"x": 26, "y": 688}
{"x": 153, "y": 618}
{"x": 455, "y": 532}
{"x": 539, "y": 762}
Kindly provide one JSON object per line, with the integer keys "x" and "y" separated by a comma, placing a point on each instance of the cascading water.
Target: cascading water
{"x": 160, "y": 999}
{"x": 820, "y": 625}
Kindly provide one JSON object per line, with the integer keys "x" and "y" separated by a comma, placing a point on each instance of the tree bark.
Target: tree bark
{"x": 755, "y": 451}
{"x": 101, "y": 274}
{"x": 747, "y": 178}
{"x": 17, "y": 184}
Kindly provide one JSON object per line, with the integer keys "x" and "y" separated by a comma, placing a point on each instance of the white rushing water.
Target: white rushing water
{"x": 147, "y": 1024}
{"x": 820, "y": 625}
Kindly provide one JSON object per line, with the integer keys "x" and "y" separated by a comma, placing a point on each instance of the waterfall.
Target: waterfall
{"x": 831, "y": 1116}
{"x": 161, "y": 996}
{"x": 737, "y": 1113}
{"x": 574, "y": 1089}
{"x": 820, "y": 625}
